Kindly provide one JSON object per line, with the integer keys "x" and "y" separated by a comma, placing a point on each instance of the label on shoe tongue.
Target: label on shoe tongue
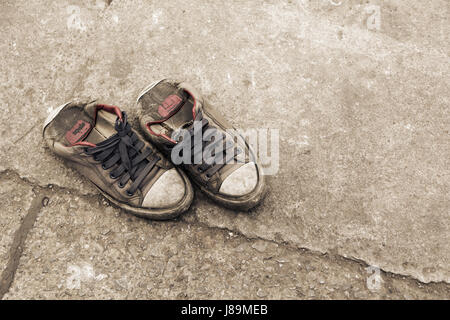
{"x": 169, "y": 105}
{"x": 78, "y": 131}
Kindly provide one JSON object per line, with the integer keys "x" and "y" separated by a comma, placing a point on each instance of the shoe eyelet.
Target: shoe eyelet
{"x": 207, "y": 176}
{"x": 129, "y": 193}
{"x": 120, "y": 185}
{"x": 199, "y": 170}
{"x": 112, "y": 176}
{"x": 104, "y": 167}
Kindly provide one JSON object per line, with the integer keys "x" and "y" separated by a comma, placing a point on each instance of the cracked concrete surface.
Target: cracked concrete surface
{"x": 364, "y": 167}
{"x": 94, "y": 251}
{"x": 10, "y": 260}
{"x": 15, "y": 199}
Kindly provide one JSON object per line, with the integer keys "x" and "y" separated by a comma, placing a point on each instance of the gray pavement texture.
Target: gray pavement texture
{"x": 360, "y": 91}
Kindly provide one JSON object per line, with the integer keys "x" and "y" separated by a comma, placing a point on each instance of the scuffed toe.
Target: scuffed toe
{"x": 240, "y": 182}
{"x": 167, "y": 191}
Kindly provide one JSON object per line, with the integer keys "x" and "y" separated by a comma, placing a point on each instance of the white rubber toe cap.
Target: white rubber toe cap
{"x": 241, "y": 182}
{"x": 167, "y": 191}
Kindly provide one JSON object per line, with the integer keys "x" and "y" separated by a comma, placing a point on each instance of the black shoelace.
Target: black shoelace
{"x": 127, "y": 151}
{"x": 216, "y": 161}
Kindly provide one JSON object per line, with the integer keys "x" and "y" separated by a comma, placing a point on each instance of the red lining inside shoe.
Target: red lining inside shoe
{"x": 109, "y": 108}
{"x": 149, "y": 124}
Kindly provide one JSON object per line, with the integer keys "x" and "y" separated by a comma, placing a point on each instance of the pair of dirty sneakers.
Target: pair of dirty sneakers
{"x": 137, "y": 174}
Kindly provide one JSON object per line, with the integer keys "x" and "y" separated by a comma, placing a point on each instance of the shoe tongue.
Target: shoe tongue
{"x": 171, "y": 106}
{"x": 166, "y": 100}
{"x": 104, "y": 127}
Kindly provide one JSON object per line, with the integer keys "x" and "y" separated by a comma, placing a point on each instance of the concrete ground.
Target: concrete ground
{"x": 360, "y": 91}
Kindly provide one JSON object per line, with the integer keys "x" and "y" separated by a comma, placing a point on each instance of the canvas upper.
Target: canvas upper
{"x": 169, "y": 110}
{"x": 99, "y": 142}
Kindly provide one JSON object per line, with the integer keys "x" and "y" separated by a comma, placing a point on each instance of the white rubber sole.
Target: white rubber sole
{"x": 147, "y": 89}
{"x": 53, "y": 114}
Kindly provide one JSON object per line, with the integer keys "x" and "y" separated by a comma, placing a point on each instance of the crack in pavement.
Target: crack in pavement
{"x": 325, "y": 255}
{"x": 83, "y": 73}
{"x": 39, "y": 202}
{"x": 16, "y": 249}
{"x": 27, "y": 132}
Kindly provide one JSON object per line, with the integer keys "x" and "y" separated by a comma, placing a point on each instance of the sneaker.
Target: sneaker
{"x": 99, "y": 142}
{"x": 230, "y": 176}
